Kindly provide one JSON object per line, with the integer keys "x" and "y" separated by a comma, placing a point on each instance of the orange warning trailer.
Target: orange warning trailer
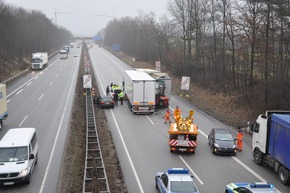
{"x": 183, "y": 136}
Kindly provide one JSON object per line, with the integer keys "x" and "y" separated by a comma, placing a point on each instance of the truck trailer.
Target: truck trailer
{"x": 63, "y": 54}
{"x": 139, "y": 90}
{"x": 271, "y": 142}
{"x": 3, "y": 104}
{"x": 39, "y": 60}
{"x": 162, "y": 87}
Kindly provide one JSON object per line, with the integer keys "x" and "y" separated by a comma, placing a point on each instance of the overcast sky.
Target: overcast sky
{"x": 75, "y": 16}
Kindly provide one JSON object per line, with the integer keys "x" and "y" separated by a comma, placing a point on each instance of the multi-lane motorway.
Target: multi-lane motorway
{"x": 44, "y": 100}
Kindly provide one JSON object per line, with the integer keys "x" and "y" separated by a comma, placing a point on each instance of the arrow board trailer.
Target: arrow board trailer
{"x": 140, "y": 91}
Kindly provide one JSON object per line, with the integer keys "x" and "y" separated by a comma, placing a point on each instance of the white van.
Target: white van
{"x": 18, "y": 155}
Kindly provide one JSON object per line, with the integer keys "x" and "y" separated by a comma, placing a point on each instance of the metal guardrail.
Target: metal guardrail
{"x": 95, "y": 178}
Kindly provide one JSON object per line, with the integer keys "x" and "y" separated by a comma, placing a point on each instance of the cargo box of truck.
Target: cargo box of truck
{"x": 39, "y": 60}
{"x": 3, "y": 104}
{"x": 139, "y": 88}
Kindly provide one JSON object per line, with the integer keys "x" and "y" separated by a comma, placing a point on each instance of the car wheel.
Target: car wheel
{"x": 156, "y": 185}
{"x": 283, "y": 175}
{"x": 258, "y": 157}
{"x": 212, "y": 150}
{"x": 227, "y": 191}
{"x": 28, "y": 179}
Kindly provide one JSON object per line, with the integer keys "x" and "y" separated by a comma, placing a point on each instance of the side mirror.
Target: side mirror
{"x": 31, "y": 156}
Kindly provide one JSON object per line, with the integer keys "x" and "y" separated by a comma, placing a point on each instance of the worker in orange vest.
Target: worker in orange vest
{"x": 167, "y": 116}
{"x": 176, "y": 113}
{"x": 240, "y": 139}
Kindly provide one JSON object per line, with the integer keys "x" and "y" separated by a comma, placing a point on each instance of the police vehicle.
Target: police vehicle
{"x": 175, "y": 180}
{"x": 257, "y": 187}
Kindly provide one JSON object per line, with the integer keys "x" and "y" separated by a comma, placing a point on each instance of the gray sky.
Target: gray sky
{"x": 76, "y": 18}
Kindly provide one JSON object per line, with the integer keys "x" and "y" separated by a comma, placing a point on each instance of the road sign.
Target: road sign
{"x": 185, "y": 83}
{"x": 87, "y": 81}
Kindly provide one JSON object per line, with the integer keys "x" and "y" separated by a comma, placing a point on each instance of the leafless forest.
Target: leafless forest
{"x": 23, "y": 32}
{"x": 231, "y": 47}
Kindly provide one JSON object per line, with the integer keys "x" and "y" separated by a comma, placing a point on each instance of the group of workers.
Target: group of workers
{"x": 116, "y": 96}
{"x": 190, "y": 119}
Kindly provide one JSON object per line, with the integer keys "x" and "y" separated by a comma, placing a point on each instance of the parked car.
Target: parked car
{"x": 222, "y": 141}
{"x": 175, "y": 180}
{"x": 257, "y": 187}
{"x": 104, "y": 101}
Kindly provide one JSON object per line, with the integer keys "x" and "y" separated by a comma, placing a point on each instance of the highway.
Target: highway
{"x": 43, "y": 99}
{"x": 142, "y": 142}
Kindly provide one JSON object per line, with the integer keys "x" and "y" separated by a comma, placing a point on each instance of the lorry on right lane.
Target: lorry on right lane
{"x": 139, "y": 88}
{"x": 271, "y": 142}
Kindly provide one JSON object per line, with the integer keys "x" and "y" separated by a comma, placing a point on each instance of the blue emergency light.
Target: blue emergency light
{"x": 261, "y": 185}
{"x": 178, "y": 171}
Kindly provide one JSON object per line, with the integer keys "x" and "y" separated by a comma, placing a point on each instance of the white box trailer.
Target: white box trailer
{"x": 39, "y": 60}
{"x": 140, "y": 91}
{"x": 3, "y": 104}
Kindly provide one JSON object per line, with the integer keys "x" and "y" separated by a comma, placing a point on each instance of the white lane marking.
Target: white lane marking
{"x": 56, "y": 75}
{"x": 150, "y": 120}
{"x": 27, "y": 81}
{"x": 57, "y": 134}
{"x": 122, "y": 139}
{"x": 40, "y": 97}
{"x": 50, "y": 83}
{"x": 191, "y": 170}
{"x": 128, "y": 154}
{"x": 19, "y": 91}
{"x": 23, "y": 120}
{"x": 8, "y": 101}
{"x": 36, "y": 77}
{"x": 29, "y": 84}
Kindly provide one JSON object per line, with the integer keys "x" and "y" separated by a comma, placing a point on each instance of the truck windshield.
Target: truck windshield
{"x": 36, "y": 60}
{"x": 13, "y": 154}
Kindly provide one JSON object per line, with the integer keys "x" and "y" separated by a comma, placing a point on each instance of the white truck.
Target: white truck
{"x": 3, "y": 104}
{"x": 39, "y": 60}
{"x": 139, "y": 90}
{"x": 63, "y": 54}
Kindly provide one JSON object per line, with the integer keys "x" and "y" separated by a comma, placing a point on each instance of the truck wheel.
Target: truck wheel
{"x": 258, "y": 157}
{"x": 283, "y": 175}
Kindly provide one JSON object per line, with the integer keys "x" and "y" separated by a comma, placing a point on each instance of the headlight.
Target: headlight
{"x": 216, "y": 145}
{"x": 234, "y": 146}
{"x": 24, "y": 172}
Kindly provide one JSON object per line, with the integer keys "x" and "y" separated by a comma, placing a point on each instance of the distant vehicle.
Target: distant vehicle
{"x": 140, "y": 91}
{"x": 175, "y": 180}
{"x": 71, "y": 44}
{"x": 271, "y": 142}
{"x": 222, "y": 141}
{"x": 39, "y": 60}
{"x": 3, "y": 104}
{"x": 257, "y": 187}
{"x": 67, "y": 48}
{"x": 63, "y": 54}
{"x": 18, "y": 155}
{"x": 104, "y": 101}
{"x": 75, "y": 55}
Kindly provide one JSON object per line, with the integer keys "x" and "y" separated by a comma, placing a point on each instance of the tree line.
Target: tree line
{"x": 23, "y": 32}
{"x": 229, "y": 46}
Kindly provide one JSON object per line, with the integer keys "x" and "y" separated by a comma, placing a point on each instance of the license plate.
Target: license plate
{"x": 182, "y": 142}
{"x": 182, "y": 149}
{"x": 143, "y": 108}
{"x": 8, "y": 183}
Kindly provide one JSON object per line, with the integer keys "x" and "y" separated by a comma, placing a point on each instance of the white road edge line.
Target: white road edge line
{"x": 128, "y": 154}
{"x": 56, "y": 137}
{"x": 23, "y": 120}
{"x": 40, "y": 97}
{"x": 191, "y": 170}
{"x": 122, "y": 139}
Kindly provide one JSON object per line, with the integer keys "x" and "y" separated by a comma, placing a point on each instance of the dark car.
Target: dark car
{"x": 104, "y": 101}
{"x": 222, "y": 141}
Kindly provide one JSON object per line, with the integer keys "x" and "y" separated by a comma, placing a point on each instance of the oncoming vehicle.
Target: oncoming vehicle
{"x": 222, "y": 141}
{"x": 18, "y": 155}
{"x": 105, "y": 101}
{"x": 175, "y": 180}
{"x": 257, "y": 187}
